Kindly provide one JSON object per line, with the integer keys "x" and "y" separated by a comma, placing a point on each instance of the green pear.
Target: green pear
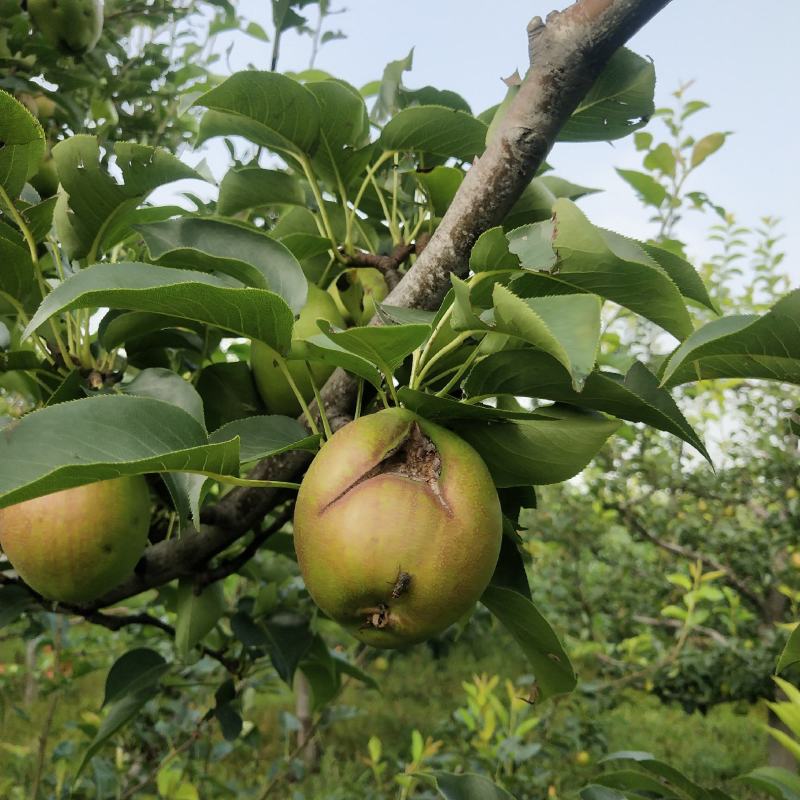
{"x": 356, "y": 291}
{"x": 77, "y": 544}
{"x": 397, "y": 528}
{"x": 45, "y": 181}
{"x": 71, "y": 25}
{"x": 272, "y": 385}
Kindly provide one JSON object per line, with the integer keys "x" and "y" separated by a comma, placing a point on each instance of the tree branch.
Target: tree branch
{"x": 113, "y": 621}
{"x": 388, "y": 265}
{"x": 568, "y": 52}
{"x": 235, "y": 563}
{"x": 734, "y": 581}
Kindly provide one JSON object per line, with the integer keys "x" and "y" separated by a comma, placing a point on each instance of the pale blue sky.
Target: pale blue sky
{"x": 742, "y": 56}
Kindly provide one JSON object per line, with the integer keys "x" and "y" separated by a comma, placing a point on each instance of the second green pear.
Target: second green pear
{"x": 271, "y": 382}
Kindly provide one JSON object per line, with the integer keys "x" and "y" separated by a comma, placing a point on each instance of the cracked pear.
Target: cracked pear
{"x": 397, "y": 528}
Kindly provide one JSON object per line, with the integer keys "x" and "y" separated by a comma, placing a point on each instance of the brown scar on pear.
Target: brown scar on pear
{"x": 415, "y": 457}
{"x": 377, "y": 618}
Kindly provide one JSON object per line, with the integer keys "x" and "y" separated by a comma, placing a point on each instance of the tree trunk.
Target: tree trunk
{"x": 309, "y": 750}
{"x": 31, "y": 690}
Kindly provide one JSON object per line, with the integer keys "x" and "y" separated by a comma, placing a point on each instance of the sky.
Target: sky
{"x": 742, "y": 57}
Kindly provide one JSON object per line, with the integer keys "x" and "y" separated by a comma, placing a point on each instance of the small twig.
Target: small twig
{"x": 386, "y": 264}
{"x": 114, "y": 622}
{"x": 421, "y": 243}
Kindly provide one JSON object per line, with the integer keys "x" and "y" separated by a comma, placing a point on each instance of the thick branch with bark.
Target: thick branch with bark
{"x": 568, "y": 52}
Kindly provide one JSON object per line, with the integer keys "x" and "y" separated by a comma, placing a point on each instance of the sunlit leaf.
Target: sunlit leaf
{"x": 254, "y": 313}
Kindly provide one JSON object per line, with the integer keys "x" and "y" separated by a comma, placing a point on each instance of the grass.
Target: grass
{"x": 422, "y": 692}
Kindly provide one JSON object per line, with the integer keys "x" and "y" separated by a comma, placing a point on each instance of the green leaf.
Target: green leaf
{"x": 653, "y": 765}
{"x": 397, "y": 315}
{"x": 229, "y": 392}
{"x": 321, "y": 348}
{"x": 791, "y": 652}
{"x": 538, "y": 451}
{"x": 386, "y": 347}
{"x": 619, "y": 102}
{"x": 245, "y": 188}
{"x": 596, "y": 792}
{"x": 285, "y": 17}
{"x": 532, "y": 245}
{"x": 39, "y": 218}
{"x": 706, "y": 147}
{"x": 267, "y": 108}
{"x": 431, "y": 96}
{"x": 636, "y": 396}
{"x": 344, "y": 132}
{"x": 230, "y": 722}
{"x": 510, "y": 570}
{"x": 742, "y": 346}
{"x": 633, "y": 780}
{"x": 157, "y": 383}
{"x": 436, "y": 130}
{"x": 119, "y": 714}
{"x": 137, "y": 669}
{"x": 463, "y": 317}
{"x": 466, "y": 786}
{"x": 683, "y": 274}
{"x": 499, "y": 114}
{"x": 661, "y": 158}
{"x": 566, "y": 327}
{"x": 535, "y": 204}
{"x": 604, "y": 263}
{"x": 104, "y": 437}
{"x": 17, "y": 277}
{"x": 388, "y": 90}
{"x": 22, "y": 147}
{"x": 96, "y": 211}
{"x": 19, "y": 360}
{"x": 288, "y": 639}
{"x": 492, "y": 252}
{"x": 564, "y": 188}
{"x": 321, "y": 673}
{"x": 197, "y": 614}
{"x": 163, "y": 384}
{"x": 551, "y": 666}
{"x": 447, "y": 409}
{"x": 650, "y": 191}
{"x": 254, "y": 313}
{"x": 346, "y": 668}
{"x": 247, "y": 254}
{"x": 774, "y": 781}
{"x": 264, "y": 436}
